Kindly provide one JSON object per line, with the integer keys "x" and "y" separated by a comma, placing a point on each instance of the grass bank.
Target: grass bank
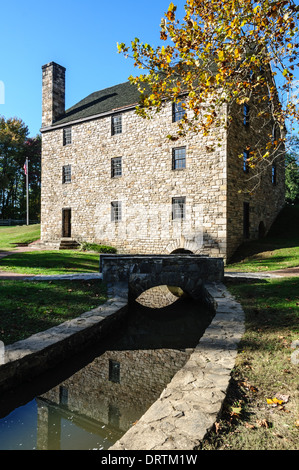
{"x": 10, "y": 236}
{"x": 278, "y": 250}
{"x": 51, "y": 262}
{"x": 261, "y": 408}
{"x": 27, "y": 308}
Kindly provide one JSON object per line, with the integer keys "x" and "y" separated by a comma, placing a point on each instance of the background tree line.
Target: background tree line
{"x": 15, "y": 146}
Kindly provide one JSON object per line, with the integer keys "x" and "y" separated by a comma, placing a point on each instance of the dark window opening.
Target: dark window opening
{"x": 115, "y": 211}
{"x": 246, "y": 219}
{"x": 116, "y": 167}
{"x": 114, "y": 371}
{"x": 178, "y": 207}
{"x": 273, "y": 174}
{"x": 116, "y": 124}
{"x": 178, "y": 111}
{"x": 66, "y": 174}
{"x": 67, "y": 136}
{"x": 246, "y": 161}
{"x": 178, "y": 158}
{"x": 63, "y": 395}
{"x": 246, "y": 115}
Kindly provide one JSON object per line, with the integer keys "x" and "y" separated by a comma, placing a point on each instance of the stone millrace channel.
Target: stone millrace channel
{"x": 188, "y": 404}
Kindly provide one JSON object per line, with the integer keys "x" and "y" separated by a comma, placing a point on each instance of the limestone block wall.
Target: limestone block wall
{"x": 53, "y": 93}
{"x": 145, "y": 189}
{"x": 254, "y": 187}
{"x": 143, "y": 375}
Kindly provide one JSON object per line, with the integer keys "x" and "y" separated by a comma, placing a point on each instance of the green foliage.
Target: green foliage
{"x": 97, "y": 248}
{"x": 292, "y": 179}
{"x": 222, "y": 52}
{"x": 15, "y": 146}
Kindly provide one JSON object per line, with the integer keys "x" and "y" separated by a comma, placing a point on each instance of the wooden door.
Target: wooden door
{"x": 66, "y": 222}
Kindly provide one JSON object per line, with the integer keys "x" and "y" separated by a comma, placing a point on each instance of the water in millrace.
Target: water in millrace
{"x": 90, "y": 401}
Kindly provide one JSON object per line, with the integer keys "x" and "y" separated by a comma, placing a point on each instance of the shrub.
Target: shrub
{"x": 98, "y": 248}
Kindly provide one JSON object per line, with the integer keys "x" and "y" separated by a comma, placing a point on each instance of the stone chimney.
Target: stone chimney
{"x": 53, "y": 93}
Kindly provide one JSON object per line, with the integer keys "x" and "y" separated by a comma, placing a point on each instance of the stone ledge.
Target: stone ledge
{"x": 188, "y": 407}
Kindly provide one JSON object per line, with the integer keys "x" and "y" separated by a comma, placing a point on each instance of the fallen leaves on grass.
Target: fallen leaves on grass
{"x": 278, "y": 399}
{"x": 278, "y": 402}
{"x": 274, "y": 401}
{"x": 263, "y": 423}
{"x": 248, "y": 386}
{"x": 260, "y": 423}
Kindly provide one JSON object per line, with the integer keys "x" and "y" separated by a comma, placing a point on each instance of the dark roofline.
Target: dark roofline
{"x": 89, "y": 118}
{"x": 108, "y": 101}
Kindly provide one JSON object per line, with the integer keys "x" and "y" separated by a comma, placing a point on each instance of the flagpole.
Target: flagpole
{"x": 27, "y": 191}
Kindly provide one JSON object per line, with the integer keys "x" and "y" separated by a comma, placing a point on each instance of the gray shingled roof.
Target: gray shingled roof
{"x": 104, "y": 101}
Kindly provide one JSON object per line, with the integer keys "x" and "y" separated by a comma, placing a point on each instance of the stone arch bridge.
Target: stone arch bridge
{"x": 142, "y": 272}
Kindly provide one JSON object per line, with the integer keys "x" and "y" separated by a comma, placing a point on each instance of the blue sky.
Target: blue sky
{"x": 80, "y": 35}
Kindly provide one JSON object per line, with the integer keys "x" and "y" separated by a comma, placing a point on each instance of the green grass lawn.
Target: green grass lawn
{"x": 278, "y": 250}
{"x": 263, "y": 371}
{"x": 18, "y": 234}
{"x": 51, "y": 262}
{"x": 27, "y": 308}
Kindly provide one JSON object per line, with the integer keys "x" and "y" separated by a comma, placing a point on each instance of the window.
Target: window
{"x": 246, "y": 219}
{"x": 66, "y": 174}
{"x": 178, "y": 111}
{"x": 275, "y": 134}
{"x": 178, "y": 207}
{"x": 115, "y": 211}
{"x": 114, "y": 371}
{"x": 273, "y": 175}
{"x": 116, "y": 124}
{"x": 246, "y": 115}
{"x": 178, "y": 158}
{"x": 245, "y": 161}
{"x": 63, "y": 395}
{"x": 115, "y": 167}
{"x": 67, "y": 136}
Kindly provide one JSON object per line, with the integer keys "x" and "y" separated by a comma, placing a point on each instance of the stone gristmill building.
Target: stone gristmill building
{"x": 111, "y": 177}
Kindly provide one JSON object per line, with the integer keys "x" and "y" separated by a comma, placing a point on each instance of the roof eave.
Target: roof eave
{"x": 88, "y": 118}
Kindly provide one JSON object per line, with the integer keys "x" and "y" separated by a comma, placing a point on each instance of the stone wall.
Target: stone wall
{"x": 141, "y": 273}
{"x": 213, "y": 182}
{"x": 255, "y": 186}
{"x": 53, "y": 91}
{"x": 145, "y": 189}
{"x": 143, "y": 376}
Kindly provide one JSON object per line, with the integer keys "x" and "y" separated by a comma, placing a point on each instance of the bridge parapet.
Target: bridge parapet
{"x": 142, "y": 272}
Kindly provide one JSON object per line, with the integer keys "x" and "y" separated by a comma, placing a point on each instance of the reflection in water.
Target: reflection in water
{"x": 91, "y": 401}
